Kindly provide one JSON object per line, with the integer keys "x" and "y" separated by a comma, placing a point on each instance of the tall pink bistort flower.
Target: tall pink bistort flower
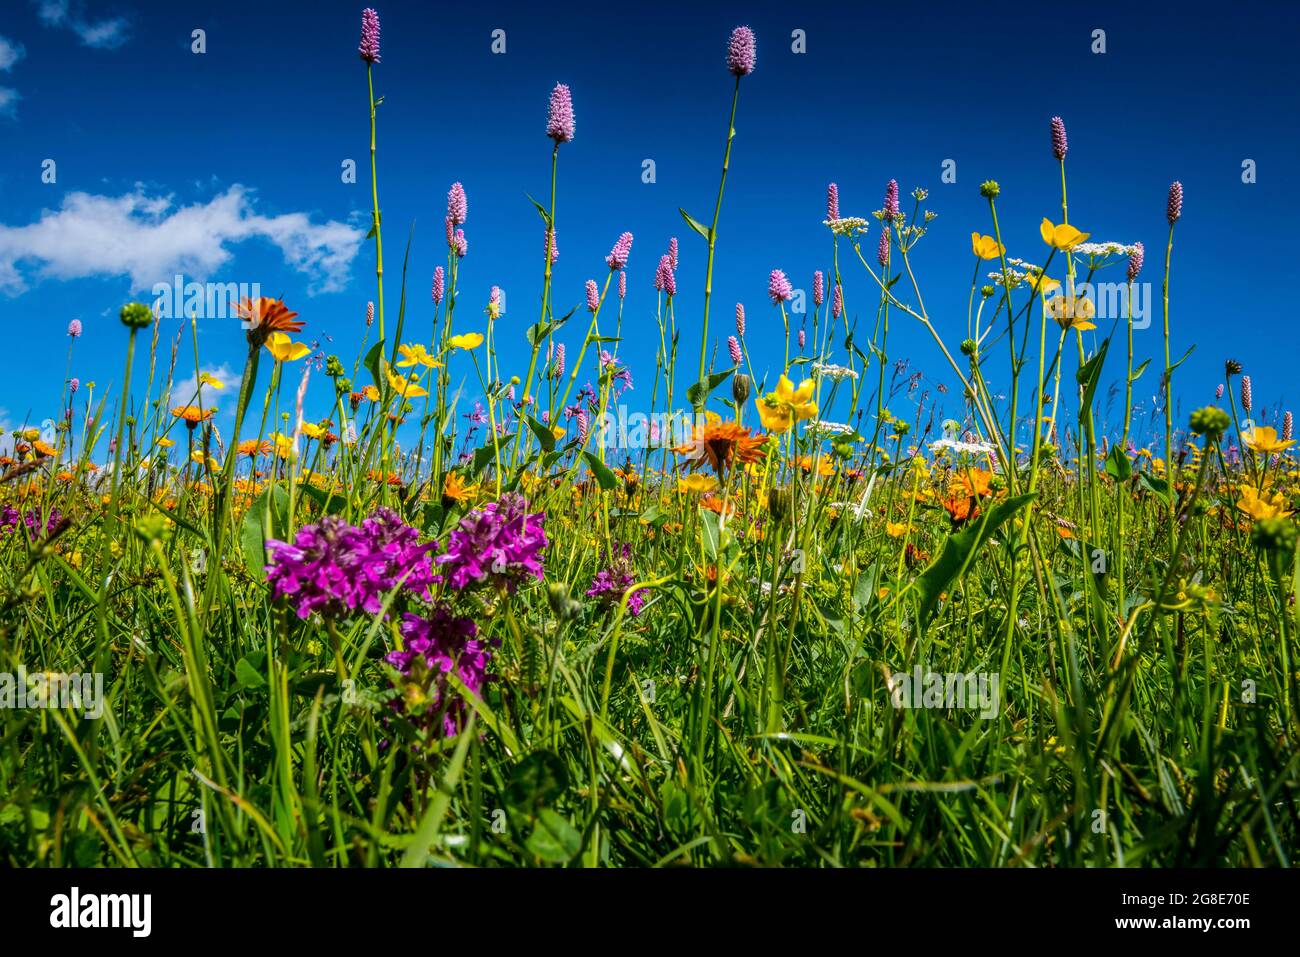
{"x": 1135, "y": 259}
{"x": 1059, "y": 143}
{"x": 740, "y": 319}
{"x": 593, "y": 296}
{"x": 559, "y": 115}
{"x": 622, "y": 285}
{"x": 461, "y": 244}
{"x": 819, "y": 288}
{"x": 74, "y": 329}
{"x": 370, "y": 314}
{"x": 891, "y": 200}
{"x": 1174, "y": 209}
{"x": 552, "y": 245}
{"x": 741, "y": 52}
{"x": 665, "y": 280}
{"x": 833, "y": 201}
{"x": 439, "y": 285}
{"x": 882, "y": 250}
{"x": 369, "y": 46}
{"x": 672, "y": 252}
{"x": 617, "y": 258}
{"x": 733, "y": 347}
{"x": 457, "y": 204}
{"x": 779, "y": 288}
{"x": 837, "y": 302}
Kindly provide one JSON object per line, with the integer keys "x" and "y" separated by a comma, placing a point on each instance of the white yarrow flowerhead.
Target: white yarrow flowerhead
{"x": 1103, "y": 249}
{"x": 827, "y": 370}
{"x": 959, "y": 447}
{"x": 847, "y": 226}
{"x": 819, "y": 427}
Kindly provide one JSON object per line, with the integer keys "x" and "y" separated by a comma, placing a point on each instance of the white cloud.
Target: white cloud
{"x": 102, "y": 34}
{"x": 10, "y": 53}
{"x": 9, "y": 98}
{"x": 186, "y": 390}
{"x": 150, "y": 239}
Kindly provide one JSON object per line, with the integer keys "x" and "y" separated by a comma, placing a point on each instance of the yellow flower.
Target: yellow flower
{"x": 285, "y": 349}
{"x": 776, "y": 416}
{"x": 1061, "y": 237}
{"x": 166, "y": 442}
{"x": 1041, "y": 282}
{"x": 799, "y": 399}
{"x": 208, "y": 379}
{"x": 312, "y": 430}
{"x": 986, "y": 247}
{"x": 895, "y": 529}
{"x": 557, "y": 432}
{"x": 371, "y": 393}
{"x": 1072, "y": 312}
{"x": 698, "y": 483}
{"x": 466, "y": 340}
{"x": 415, "y": 355}
{"x": 1263, "y": 439}
{"x": 1260, "y": 505}
{"x": 406, "y": 388}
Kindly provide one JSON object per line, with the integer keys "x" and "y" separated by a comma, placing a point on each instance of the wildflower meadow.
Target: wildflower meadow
{"x": 494, "y": 589}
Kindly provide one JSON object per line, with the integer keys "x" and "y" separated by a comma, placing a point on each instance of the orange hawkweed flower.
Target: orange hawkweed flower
{"x": 192, "y": 414}
{"x": 43, "y": 448}
{"x": 265, "y": 316}
{"x": 964, "y": 494}
{"x": 722, "y": 445}
{"x": 253, "y": 448}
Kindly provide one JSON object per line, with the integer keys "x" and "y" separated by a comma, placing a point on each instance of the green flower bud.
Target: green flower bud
{"x": 1210, "y": 421}
{"x": 969, "y": 347}
{"x": 740, "y": 388}
{"x": 1274, "y": 534}
{"x": 135, "y": 315}
{"x": 989, "y": 189}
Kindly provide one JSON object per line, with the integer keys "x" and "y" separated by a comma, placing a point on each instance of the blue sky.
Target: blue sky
{"x": 226, "y": 166}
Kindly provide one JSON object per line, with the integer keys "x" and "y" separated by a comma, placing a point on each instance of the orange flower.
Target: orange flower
{"x": 965, "y": 491}
{"x": 265, "y": 316}
{"x": 721, "y": 445}
{"x": 192, "y": 414}
{"x": 825, "y": 467}
{"x": 43, "y": 448}
{"x": 253, "y": 448}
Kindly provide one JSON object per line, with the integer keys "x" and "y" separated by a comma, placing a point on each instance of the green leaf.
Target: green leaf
{"x": 541, "y": 211}
{"x": 247, "y": 675}
{"x": 695, "y": 224}
{"x": 544, "y": 435}
{"x": 539, "y": 780}
{"x": 1118, "y": 465}
{"x": 554, "y": 839}
{"x": 699, "y": 393}
{"x": 372, "y": 361}
{"x": 329, "y": 504}
{"x": 266, "y": 518}
{"x": 1137, "y": 373}
{"x": 1088, "y": 375}
{"x": 604, "y": 476}
{"x": 960, "y": 549}
{"x": 712, "y": 533}
{"x": 1155, "y": 485}
{"x": 1190, "y": 350}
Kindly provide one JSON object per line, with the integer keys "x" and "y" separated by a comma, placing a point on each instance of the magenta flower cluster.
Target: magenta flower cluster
{"x": 559, "y": 116}
{"x": 612, "y": 582}
{"x": 369, "y": 47}
{"x": 779, "y": 288}
{"x": 499, "y": 544}
{"x": 741, "y": 52}
{"x": 432, "y": 648}
{"x": 617, "y": 258}
{"x": 335, "y": 568}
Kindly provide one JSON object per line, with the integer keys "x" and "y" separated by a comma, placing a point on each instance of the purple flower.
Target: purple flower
{"x": 73, "y": 385}
{"x": 335, "y": 568}
{"x": 439, "y": 285}
{"x": 779, "y": 288}
{"x": 500, "y": 543}
{"x": 665, "y": 280}
{"x": 461, "y": 244}
{"x": 433, "y": 648}
{"x": 1135, "y": 261}
{"x": 583, "y": 426}
{"x": 369, "y": 48}
{"x": 622, "y": 285}
{"x": 833, "y": 201}
{"x": 672, "y": 252}
{"x": 612, "y": 582}
{"x": 837, "y": 302}
{"x": 593, "y": 296}
{"x": 882, "y": 250}
{"x": 74, "y": 328}
{"x": 891, "y": 201}
{"x": 621, "y": 373}
{"x": 457, "y": 204}
{"x": 803, "y": 339}
{"x": 1175, "y": 208}
{"x": 557, "y": 367}
{"x": 740, "y": 319}
{"x": 559, "y": 116}
{"x": 733, "y": 347}
{"x": 741, "y": 53}
{"x": 9, "y": 517}
{"x": 1059, "y": 143}
{"x": 819, "y": 288}
{"x": 1218, "y": 391}
{"x": 617, "y": 257}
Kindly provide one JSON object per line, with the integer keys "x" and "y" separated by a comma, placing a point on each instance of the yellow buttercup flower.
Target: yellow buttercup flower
{"x": 1072, "y": 312}
{"x": 285, "y": 349}
{"x": 776, "y": 416}
{"x": 210, "y": 380}
{"x": 1262, "y": 504}
{"x": 1041, "y": 283}
{"x": 1263, "y": 440}
{"x": 1063, "y": 237}
{"x": 166, "y": 442}
{"x": 895, "y": 529}
{"x": 371, "y": 393}
{"x": 415, "y": 355}
{"x": 986, "y": 247}
{"x": 697, "y": 483}
{"x": 312, "y": 430}
{"x": 466, "y": 340}
{"x": 406, "y": 388}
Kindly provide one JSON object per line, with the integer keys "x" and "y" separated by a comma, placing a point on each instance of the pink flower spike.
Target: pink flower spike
{"x": 439, "y": 285}
{"x": 779, "y": 288}
{"x": 617, "y": 258}
{"x": 369, "y": 47}
{"x": 593, "y": 296}
{"x": 559, "y": 116}
{"x": 833, "y": 201}
{"x": 457, "y": 204}
{"x": 741, "y": 52}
